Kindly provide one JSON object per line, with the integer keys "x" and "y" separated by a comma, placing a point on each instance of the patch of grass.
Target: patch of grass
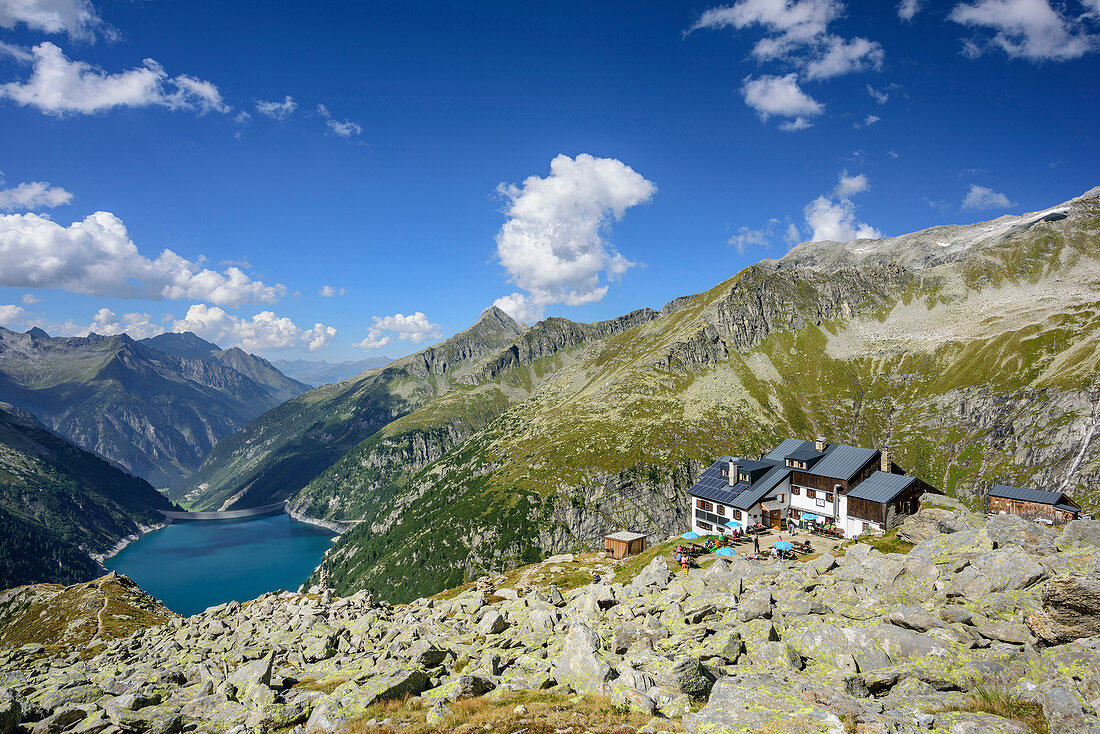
{"x": 545, "y": 713}
{"x": 887, "y": 543}
{"x": 631, "y": 566}
{"x": 324, "y": 685}
{"x": 1000, "y": 701}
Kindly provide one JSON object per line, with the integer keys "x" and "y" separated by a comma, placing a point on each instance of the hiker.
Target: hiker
{"x": 756, "y": 543}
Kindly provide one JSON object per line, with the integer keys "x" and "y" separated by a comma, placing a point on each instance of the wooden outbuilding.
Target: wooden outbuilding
{"x": 1033, "y": 504}
{"x": 622, "y": 544}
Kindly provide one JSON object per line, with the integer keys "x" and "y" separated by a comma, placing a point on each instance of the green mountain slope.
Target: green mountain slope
{"x": 279, "y": 453}
{"x": 150, "y": 412}
{"x": 972, "y": 351}
{"x": 60, "y": 504}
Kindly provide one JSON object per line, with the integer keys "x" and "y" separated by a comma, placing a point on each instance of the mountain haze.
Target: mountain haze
{"x": 319, "y": 372}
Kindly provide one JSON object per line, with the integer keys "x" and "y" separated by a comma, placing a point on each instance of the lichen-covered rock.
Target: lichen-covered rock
{"x": 1071, "y": 610}
{"x": 580, "y": 666}
{"x": 753, "y": 702}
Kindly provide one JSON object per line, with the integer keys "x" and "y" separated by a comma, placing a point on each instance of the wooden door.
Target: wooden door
{"x": 773, "y": 518}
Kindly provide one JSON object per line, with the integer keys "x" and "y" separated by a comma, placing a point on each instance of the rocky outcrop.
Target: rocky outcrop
{"x": 858, "y": 641}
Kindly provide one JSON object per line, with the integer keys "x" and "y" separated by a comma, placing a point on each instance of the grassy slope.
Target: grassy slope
{"x": 60, "y": 503}
{"x": 996, "y": 403}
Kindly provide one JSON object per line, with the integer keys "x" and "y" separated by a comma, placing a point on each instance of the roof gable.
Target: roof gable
{"x": 881, "y": 487}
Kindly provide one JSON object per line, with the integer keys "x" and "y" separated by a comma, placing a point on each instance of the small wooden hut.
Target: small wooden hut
{"x": 622, "y": 544}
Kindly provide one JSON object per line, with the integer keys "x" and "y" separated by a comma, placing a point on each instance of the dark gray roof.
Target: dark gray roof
{"x": 1067, "y": 508}
{"x": 712, "y": 486}
{"x": 881, "y": 487}
{"x": 759, "y": 489}
{"x": 838, "y": 462}
{"x": 1025, "y": 495}
{"x": 808, "y": 452}
{"x": 753, "y": 465}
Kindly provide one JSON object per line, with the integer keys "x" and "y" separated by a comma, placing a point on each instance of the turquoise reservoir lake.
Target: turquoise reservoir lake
{"x": 194, "y": 565}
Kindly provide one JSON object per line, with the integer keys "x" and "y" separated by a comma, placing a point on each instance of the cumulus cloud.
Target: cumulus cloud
{"x": 277, "y": 110}
{"x": 1028, "y": 29}
{"x": 981, "y": 197}
{"x": 415, "y": 328}
{"x": 833, "y": 217}
{"x": 76, "y": 18}
{"x": 840, "y": 57}
{"x": 781, "y": 96}
{"x": 33, "y": 195}
{"x": 848, "y": 186}
{"x": 263, "y": 331}
{"x": 97, "y": 256}
{"x": 29, "y": 299}
{"x": 907, "y": 9}
{"x": 329, "y": 292}
{"x": 137, "y": 325}
{"x": 10, "y": 314}
{"x": 797, "y": 31}
{"x": 553, "y": 244}
{"x": 59, "y": 86}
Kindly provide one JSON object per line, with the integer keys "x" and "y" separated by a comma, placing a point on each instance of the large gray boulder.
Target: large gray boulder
{"x": 1003, "y": 569}
{"x": 1071, "y": 610}
{"x": 1013, "y": 530}
{"x": 760, "y": 703}
{"x": 940, "y": 515}
{"x": 941, "y": 555}
{"x": 1081, "y": 531}
{"x": 349, "y": 701}
{"x": 692, "y": 678}
{"x": 580, "y": 666}
{"x": 656, "y": 574}
{"x": 757, "y": 605}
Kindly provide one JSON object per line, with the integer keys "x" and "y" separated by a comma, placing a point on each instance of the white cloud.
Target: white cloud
{"x": 329, "y": 292}
{"x": 797, "y": 31}
{"x": 1029, "y": 29}
{"x": 136, "y": 325}
{"x": 867, "y": 121}
{"x": 833, "y": 217}
{"x": 58, "y": 86}
{"x": 877, "y": 95}
{"x": 277, "y": 110}
{"x": 96, "y": 256}
{"x": 845, "y": 57}
{"x": 263, "y": 331}
{"x": 33, "y": 195}
{"x": 345, "y": 129}
{"x": 553, "y": 244}
{"x": 29, "y": 299}
{"x": 779, "y": 95}
{"x": 10, "y": 314}
{"x": 747, "y": 237}
{"x": 798, "y": 123}
{"x": 893, "y": 154}
{"x": 77, "y": 18}
{"x": 415, "y": 328}
{"x": 907, "y": 9}
{"x": 849, "y": 186}
{"x": 980, "y": 197}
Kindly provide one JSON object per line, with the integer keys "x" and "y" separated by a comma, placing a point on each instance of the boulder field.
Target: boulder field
{"x": 987, "y": 625}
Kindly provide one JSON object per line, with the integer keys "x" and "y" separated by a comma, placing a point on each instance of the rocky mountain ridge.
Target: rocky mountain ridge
{"x": 149, "y": 411}
{"x": 62, "y": 508}
{"x": 970, "y": 624}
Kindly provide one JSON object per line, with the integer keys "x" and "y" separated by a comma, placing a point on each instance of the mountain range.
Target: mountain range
{"x": 153, "y": 407}
{"x": 972, "y": 350}
{"x": 61, "y": 507}
{"x": 320, "y": 372}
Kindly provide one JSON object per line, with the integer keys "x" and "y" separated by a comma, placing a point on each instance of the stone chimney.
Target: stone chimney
{"x": 885, "y": 453}
{"x": 820, "y": 443}
{"x": 733, "y": 470}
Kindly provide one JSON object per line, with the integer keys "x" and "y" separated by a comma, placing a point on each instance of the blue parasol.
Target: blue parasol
{"x": 726, "y": 552}
{"x": 809, "y": 516}
{"x": 782, "y": 545}
{"x": 690, "y": 535}
{"x": 732, "y": 524}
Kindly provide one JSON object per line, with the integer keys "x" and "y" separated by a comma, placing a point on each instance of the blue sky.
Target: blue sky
{"x": 572, "y": 159}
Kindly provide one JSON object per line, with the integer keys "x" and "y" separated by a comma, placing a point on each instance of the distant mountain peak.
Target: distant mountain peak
{"x": 36, "y": 332}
